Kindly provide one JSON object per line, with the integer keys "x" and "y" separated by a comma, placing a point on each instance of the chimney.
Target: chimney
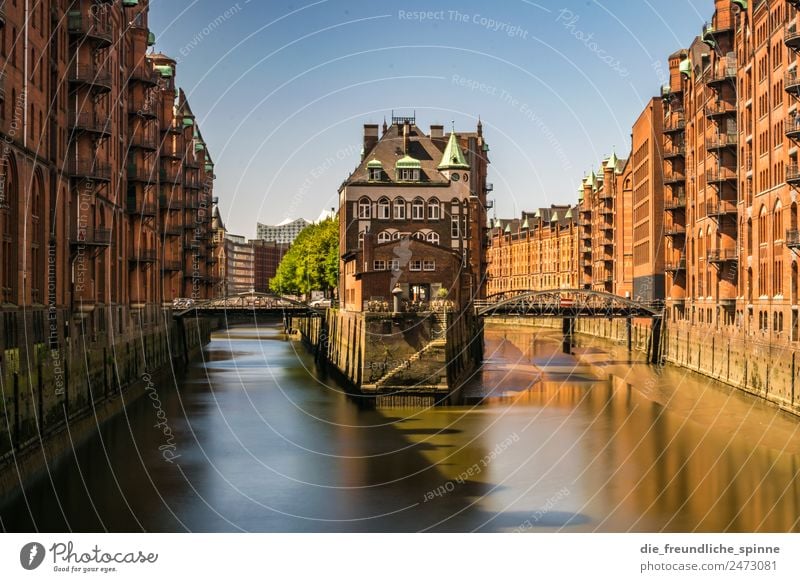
{"x": 370, "y": 138}
{"x": 405, "y": 137}
{"x": 369, "y": 251}
{"x": 437, "y": 131}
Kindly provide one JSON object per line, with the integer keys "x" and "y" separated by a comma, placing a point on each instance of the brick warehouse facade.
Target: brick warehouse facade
{"x": 106, "y": 190}
{"x": 421, "y": 199}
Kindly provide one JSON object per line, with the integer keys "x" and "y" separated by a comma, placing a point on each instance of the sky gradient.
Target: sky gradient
{"x": 281, "y": 89}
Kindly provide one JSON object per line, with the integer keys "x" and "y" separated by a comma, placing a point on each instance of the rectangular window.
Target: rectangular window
{"x": 454, "y": 227}
{"x": 375, "y": 174}
{"x": 418, "y": 212}
{"x": 383, "y": 211}
{"x": 416, "y": 265}
{"x": 399, "y": 211}
{"x": 394, "y": 265}
{"x": 433, "y": 210}
{"x": 429, "y": 265}
{"x": 379, "y": 266}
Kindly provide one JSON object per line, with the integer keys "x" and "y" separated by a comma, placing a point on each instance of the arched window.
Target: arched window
{"x": 361, "y": 238}
{"x": 777, "y": 222}
{"x": 383, "y": 209}
{"x": 396, "y": 235}
{"x": 762, "y": 226}
{"x": 399, "y": 209}
{"x": 433, "y": 237}
{"x": 420, "y": 235}
{"x": 384, "y": 237}
{"x": 434, "y": 211}
{"x": 364, "y": 209}
{"x": 9, "y": 242}
{"x": 37, "y": 241}
{"x": 418, "y": 209}
{"x": 455, "y": 206}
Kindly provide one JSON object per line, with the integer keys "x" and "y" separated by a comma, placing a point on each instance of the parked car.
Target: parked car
{"x": 320, "y": 303}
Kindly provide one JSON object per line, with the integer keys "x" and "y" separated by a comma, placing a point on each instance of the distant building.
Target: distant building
{"x": 537, "y": 252}
{"x": 284, "y": 232}
{"x": 267, "y": 256}
{"x": 240, "y": 271}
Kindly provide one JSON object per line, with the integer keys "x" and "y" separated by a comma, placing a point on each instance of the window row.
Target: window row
{"x": 399, "y": 209}
{"x": 390, "y": 235}
{"x": 414, "y": 265}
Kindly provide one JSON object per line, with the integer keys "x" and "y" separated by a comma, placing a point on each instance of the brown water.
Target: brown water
{"x": 592, "y": 442}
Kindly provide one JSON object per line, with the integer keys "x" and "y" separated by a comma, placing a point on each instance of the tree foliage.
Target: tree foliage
{"x": 312, "y": 263}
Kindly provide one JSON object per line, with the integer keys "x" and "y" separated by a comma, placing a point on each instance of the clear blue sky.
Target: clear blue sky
{"x": 282, "y": 89}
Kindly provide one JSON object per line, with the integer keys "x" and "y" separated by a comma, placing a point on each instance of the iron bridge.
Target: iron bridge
{"x": 567, "y": 303}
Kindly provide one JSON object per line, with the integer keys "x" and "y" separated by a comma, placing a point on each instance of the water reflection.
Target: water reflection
{"x": 595, "y": 441}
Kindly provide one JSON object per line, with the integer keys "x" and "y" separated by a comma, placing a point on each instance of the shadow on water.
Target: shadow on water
{"x": 585, "y": 442}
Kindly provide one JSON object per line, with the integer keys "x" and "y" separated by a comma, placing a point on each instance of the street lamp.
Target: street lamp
{"x": 397, "y": 292}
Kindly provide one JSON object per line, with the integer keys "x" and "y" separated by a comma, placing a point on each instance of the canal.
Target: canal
{"x": 252, "y": 438}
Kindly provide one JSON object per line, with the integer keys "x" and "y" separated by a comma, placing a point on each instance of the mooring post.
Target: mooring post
{"x": 655, "y": 343}
{"x": 629, "y": 329}
{"x": 567, "y": 327}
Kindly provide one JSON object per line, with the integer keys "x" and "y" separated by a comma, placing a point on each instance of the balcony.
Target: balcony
{"x": 89, "y": 123}
{"x": 719, "y": 256}
{"x": 96, "y": 30}
{"x": 719, "y": 109}
{"x": 674, "y": 151}
{"x": 675, "y": 203}
{"x": 169, "y": 174}
{"x": 192, "y": 182}
{"x": 677, "y": 266}
{"x": 144, "y": 141}
{"x": 143, "y": 256}
{"x": 674, "y": 178}
{"x": 720, "y": 142}
{"x": 137, "y": 173}
{"x": 726, "y": 74}
{"x": 145, "y": 110}
{"x": 605, "y": 194}
{"x": 792, "y": 239}
{"x": 146, "y": 209}
{"x": 607, "y": 241}
{"x": 606, "y": 211}
{"x": 143, "y": 74}
{"x": 173, "y": 231}
{"x": 791, "y": 84}
{"x": 97, "y": 79}
{"x": 793, "y": 175}
{"x": 90, "y": 170}
{"x": 791, "y": 37}
{"x": 721, "y": 209}
{"x": 791, "y": 127}
{"x": 171, "y": 265}
{"x": 675, "y": 230}
{"x": 675, "y": 124}
{"x": 720, "y": 176}
{"x": 93, "y": 237}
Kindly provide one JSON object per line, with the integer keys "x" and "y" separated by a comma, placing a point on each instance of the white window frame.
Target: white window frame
{"x": 399, "y": 209}
{"x": 433, "y": 238}
{"x": 364, "y": 209}
{"x": 455, "y": 227}
{"x": 375, "y": 174}
{"x": 384, "y": 209}
{"x": 415, "y": 265}
{"x": 428, "y": 265}
{"x": 384, "y": 237}
{"x": 434, "y": 210}
{"x": 394, "y": 265}
{"x": 378, "y": 265}
{"x": 418, "y": 209}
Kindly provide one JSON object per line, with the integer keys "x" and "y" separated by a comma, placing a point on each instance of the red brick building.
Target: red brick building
{"x": 267, "y": 255}
{"x": 422, "y": 201}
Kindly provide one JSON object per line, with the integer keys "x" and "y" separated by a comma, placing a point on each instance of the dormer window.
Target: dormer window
{"x": 374, "y": 171}
{"x": 408, "y": 169}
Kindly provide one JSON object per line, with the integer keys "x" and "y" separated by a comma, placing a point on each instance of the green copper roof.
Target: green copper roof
{"x": 686, "y": 67}
{"x": 592, "y": 181}
{"x": 375, "y": 164}
{"x": 612, "y": 161}
{"x": 453, "y": 158}
{"x": 188, "y": 121}
{"x": 741, "y": 3}
{"x": 508, "y": 228}
{"x": 568, "y": 215}
{"x": 151, "y": 39}
{"x": 554, "y": 218}
{"x": 537, "y": 214}
{"x": 525, "y": 225}
{"x": 164, "y": 70}
{"x": 408, "y": 163}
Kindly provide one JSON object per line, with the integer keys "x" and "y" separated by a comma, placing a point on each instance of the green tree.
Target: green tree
{"x": 312, "y": 262}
